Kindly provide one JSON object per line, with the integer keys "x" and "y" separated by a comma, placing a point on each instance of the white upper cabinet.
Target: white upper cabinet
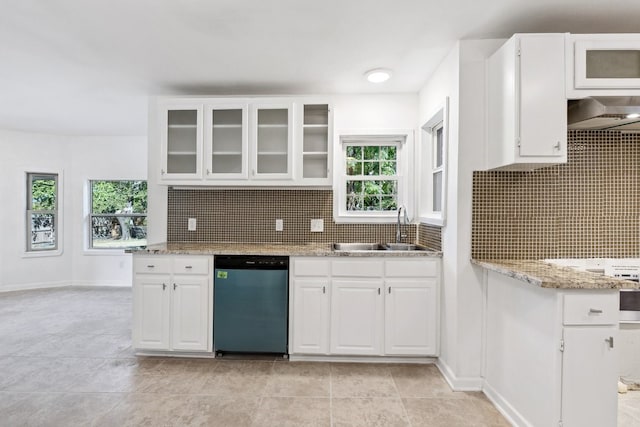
{"x": 226, "y": 141}
{"x": 245, "y": 141}
{"x": 314, "y": 134}
{"x": 527, "y": 105}
{"x": 181, "y": 141}
{"x": 603, "y": 65}
{"x": 271, "y": 140}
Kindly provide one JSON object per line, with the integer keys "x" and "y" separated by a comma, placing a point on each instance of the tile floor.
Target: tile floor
{"x": 66, "y": 360}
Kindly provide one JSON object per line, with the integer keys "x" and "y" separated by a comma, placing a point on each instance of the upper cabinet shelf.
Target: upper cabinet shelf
{"x": 244, "y": 142}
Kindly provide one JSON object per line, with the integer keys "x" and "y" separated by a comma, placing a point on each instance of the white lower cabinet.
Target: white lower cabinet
{"x": 357, "y": 317}
{"x": 365, "y": 306}
{"x": 172, "y": 310}
{"x": 411, "y": 308}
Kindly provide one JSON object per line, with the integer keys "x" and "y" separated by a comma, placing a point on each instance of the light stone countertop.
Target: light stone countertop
{"x": 545, "y": 275}
{"x": 286, "y": 249}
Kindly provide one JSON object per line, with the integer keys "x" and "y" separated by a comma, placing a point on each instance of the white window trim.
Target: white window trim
{"x": 428, "y": 215}
{"x": 86, "y": 198}
{"x": 404, "y": 140}
{"x": 26, "y": 253}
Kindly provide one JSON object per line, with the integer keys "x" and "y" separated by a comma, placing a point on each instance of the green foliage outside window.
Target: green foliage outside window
{"x": 373, "y": 184}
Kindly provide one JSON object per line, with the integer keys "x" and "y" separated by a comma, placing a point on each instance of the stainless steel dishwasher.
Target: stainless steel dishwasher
{"x": 250, "y": 304}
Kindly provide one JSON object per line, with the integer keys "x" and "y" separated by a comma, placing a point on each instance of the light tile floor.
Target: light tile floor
{"x": 66, "y": 360}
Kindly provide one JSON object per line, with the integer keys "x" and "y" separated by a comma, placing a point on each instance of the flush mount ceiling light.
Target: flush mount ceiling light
{"x": 633, "y": 115}
{"x": 378, "y": 75}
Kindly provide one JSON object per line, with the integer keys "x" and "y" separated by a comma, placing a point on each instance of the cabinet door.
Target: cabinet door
{"x": 316, "y": 153}
{"x": 272, "y": 135}
{"x": 357, "y": 317}
{"x": 589, "y": 376}
{"x": 311, "y": 316}
{"x": 607, "y": 63}
{"x": 190, "y": 317}
{"x": 151, "y": 298}
{"x": 181, "y": 141}
{"x": 411, "y": 317}
{"x": 541, "y": 89}
{"x": 226, "y": 141}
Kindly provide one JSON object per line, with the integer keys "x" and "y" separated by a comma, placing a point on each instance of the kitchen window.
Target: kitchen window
{"x": 371, "y": 184}
{"x": 433, "y": 192}
{"x": 42, "y": 217}
{"x": 118, "y": 217}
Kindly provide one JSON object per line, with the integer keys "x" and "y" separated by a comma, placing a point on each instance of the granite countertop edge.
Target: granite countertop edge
{"x": 275, "y": 249}
{"x": 546, "y": 275}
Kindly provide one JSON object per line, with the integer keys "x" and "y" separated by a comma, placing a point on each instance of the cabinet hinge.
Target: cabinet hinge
{"x": 518, "y": 52}
{"x": 518, "y": 142}
{"x": 561, "y": 349}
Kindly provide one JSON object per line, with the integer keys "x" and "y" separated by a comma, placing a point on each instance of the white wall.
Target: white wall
{"x": 461, "y": 77}
{"x": 77, "y": 159}
{"x": 351, "y": 112}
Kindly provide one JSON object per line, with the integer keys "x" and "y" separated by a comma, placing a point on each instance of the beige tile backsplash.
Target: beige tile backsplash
{"x": 238, "y": 215}
{"x": 588, "y": 207}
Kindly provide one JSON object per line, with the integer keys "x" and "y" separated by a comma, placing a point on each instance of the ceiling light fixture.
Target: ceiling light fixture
{"x": 378, "y": 75}
{"x": 633, "y": 115}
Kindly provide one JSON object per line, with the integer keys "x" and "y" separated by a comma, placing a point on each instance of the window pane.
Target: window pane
{"x": 371, "y": 153}
{"x": 389, "y": 203}
{"x": 354, "y": 152}
{"x": 43, "y": 233}
{"x": 118, "y": 197}
{"x": 387, "y": 168}
{"x": 354, "y": 202}
{"x": 354, "y": 167}
{"x": 389, "y": 187}
{"x": 372, "y": 168}
{"x": 118, "y": 231}
{"x": 371, "y": 203}
{"x": 388, "y": 153}
{"x": 437, "y": 192}
{"x": 43, "y": 193}
{"x": 438, "y": 147}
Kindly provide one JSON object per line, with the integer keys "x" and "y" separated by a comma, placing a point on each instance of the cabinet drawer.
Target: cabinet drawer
{"x": 591, "y": 309}
{"x": 358, "y": 267}
{"x": 311, "y": 267}
{"x": 416, "y": 267}
{"x": 151, "y": 264}
{"x": 191, "y": 265}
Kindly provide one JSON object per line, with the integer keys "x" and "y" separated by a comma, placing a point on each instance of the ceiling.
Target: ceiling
{"x": 86, "y": 67}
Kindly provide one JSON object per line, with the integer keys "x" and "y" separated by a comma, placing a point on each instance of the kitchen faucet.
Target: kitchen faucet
{"x": 405, "y": 220}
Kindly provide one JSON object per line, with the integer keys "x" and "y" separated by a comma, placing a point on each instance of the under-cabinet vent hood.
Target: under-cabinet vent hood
{"x": 605, "y": 112}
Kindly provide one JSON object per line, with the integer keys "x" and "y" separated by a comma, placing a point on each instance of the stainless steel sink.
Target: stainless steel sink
{"x": 401, "y": 247}
{"x": 358, "y": 247}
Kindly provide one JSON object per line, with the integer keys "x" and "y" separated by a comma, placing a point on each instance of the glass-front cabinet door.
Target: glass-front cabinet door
{"x": 607, "y": 63}
{"x": 226, "y": 141}
{"x": 272, "y": 126}
{"x": 181, "y": 142}
{"x": 316, "y": 144}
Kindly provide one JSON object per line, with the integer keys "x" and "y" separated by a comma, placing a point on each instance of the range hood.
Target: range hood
{"x": 604, "y": 112}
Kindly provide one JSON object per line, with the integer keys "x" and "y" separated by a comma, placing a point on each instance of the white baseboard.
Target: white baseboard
{"x": 97, "y": 283}
{"x": 459, "y": 383}
{"x": 504, "y": 407}
{"x": 31, "y": 286}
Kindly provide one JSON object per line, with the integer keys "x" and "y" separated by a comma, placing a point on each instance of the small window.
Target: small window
{"x": 42, "y": 212}
{"x": 369, "y": 184}
{"x": 434, "y": 177}
{"x": 118, "y": 217}
{"x": 437, "y": 167}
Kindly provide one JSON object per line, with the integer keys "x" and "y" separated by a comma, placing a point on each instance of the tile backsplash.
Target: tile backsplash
{"x": 586, "y": 208}
{"x": 249, "y": 215}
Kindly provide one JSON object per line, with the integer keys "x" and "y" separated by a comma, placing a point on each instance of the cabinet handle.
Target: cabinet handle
{"x": 208, "y": 172}
{"x": 253, "y": 172}
{"x": 174, "y": 286}
{"x": 595, "y": 311}
{"x": 557, "y": 146}
{"x": 324, "y": 290}
{"x": 389, "y": 290}
{"x": 161, "y": 171}
{"x": 610, "y": 341}
{"x": 151, "y": 266}
{"x": 188, "y": 267}
{"x": 164, "y": 286}
{"x": 378, "y": 291}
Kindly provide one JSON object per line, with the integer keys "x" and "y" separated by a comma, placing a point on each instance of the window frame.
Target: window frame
{"x": 439, "y": 120}
{"x": 57, "y": 250}
{"x": 402, "y": 140}
{"x": 89, "y": 248}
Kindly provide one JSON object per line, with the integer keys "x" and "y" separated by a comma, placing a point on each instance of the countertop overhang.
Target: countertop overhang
{"x": 546, "y": 275}
{"x": 286, "y": 249}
